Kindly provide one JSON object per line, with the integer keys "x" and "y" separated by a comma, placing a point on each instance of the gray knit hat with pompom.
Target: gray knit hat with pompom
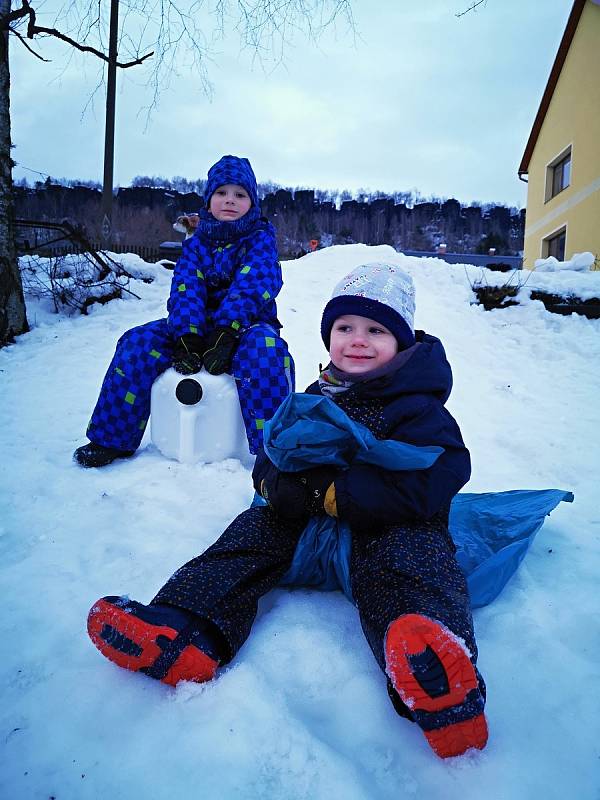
{"x": 382, "y": 292}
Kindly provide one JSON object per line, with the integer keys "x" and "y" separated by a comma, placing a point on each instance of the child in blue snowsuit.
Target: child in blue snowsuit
{"x": 221, "y": 314}
{"x": 406, "y": 583}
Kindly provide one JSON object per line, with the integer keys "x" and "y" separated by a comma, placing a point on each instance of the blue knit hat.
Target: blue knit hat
{"x": 231, "y": 169}
{"x": 382, "y": 292}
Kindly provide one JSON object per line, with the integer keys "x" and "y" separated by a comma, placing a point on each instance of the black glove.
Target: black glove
{"x": 284, "y": 492}
{"x": 221, "y": 345}
{"x": 187, "y": 354}
{"x": 293, "y": 495}
{"x": 316, "y": 481}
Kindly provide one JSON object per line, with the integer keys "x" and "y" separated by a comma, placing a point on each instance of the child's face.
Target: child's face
{"x": 359, "y": 344}
{"x": 229, "y": 202}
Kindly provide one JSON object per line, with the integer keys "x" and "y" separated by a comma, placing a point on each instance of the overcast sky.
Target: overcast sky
{"x": 421, "y": 100}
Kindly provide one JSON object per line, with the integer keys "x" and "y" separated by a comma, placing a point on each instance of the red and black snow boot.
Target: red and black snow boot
{"x": 164, "y": 642}
{"x": 432, "y": 672}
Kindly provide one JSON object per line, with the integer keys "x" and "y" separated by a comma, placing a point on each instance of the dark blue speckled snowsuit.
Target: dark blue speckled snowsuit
{"x": 403, "y": 557}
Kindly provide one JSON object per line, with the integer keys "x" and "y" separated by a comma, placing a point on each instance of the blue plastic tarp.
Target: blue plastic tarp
{"x": 492, "y": 531}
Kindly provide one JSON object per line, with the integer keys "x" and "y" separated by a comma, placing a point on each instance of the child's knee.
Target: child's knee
{"x": 259, "y": 344}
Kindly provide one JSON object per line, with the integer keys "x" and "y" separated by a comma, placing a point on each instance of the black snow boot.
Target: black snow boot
{"x": 96, "y": 455}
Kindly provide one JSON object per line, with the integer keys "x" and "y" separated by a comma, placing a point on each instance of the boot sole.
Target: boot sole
{"x": 410, "y": 636}
{"x": 134, "y": 644}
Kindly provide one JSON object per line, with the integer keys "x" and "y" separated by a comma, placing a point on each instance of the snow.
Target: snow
{"x": 302, "y": 712}
{"x": 579, "y": 261}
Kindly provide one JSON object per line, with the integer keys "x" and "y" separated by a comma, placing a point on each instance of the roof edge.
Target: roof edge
{"x": 561, "y": 55}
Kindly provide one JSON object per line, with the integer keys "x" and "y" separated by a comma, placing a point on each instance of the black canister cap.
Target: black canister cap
{"x": 188, "y": 392}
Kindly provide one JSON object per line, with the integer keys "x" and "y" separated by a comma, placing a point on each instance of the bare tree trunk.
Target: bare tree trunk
{"x": 13, "y": 319}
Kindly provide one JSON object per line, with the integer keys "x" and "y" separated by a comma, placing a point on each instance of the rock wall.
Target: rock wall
{"x": 144, "y": 216}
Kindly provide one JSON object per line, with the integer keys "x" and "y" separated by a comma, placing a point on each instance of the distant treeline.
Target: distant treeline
{"x": 143, "y": 215}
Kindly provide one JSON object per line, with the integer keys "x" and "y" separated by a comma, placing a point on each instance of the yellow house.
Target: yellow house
{"x": 562, "y": 156}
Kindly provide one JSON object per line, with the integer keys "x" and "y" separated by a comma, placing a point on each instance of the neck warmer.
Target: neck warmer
{"x": 217, "y": 231}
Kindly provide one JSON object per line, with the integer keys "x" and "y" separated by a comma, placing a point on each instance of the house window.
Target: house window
{"x": 555, "y": 245}
{"x": 561, "y": 175}
{"x": 558, "y": 174}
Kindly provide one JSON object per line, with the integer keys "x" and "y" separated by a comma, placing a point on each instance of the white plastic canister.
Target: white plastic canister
{"x": 197, "y": 418}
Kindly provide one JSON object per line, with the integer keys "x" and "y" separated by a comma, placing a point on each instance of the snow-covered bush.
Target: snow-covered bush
{"x": 72, "y": 283}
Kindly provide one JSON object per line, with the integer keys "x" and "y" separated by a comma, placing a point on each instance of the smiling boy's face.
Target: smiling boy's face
{"x": 229, "y": 202}
{"x": 359, "y": 344}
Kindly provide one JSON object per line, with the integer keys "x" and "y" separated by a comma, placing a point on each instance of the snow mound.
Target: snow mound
{"x": 302, "y": 713}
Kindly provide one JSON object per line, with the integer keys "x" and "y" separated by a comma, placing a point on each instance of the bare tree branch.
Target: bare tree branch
{"x": 183, "y": 34}
{"x": 12, "y": 16}
{"x": 472, "y": 7}
{"x": 33, "y": 30}
{"x": 28, "y": 46}
{"x": 37, "y": 30}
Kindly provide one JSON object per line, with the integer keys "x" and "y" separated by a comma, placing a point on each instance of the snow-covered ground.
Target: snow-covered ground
{"x": 302, "y": 712}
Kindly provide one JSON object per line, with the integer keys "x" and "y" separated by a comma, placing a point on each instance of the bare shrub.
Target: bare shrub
{"x": 73, "y": 283}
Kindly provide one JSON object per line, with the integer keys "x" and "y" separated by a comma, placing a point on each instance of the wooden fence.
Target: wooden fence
{"x": 147, "y": 252}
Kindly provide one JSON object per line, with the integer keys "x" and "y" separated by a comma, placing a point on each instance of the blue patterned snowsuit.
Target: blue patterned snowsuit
{"x": 216, "y": 283}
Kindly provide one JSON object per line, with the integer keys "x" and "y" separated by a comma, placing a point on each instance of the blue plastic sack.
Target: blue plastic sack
{"x": 492, "y": 531}
{"x": 309, "y": 429}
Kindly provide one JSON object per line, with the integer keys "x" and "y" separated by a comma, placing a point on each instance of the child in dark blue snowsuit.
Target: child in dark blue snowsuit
{"x": 406, "y": 583}
{"x": 221, "y": 314}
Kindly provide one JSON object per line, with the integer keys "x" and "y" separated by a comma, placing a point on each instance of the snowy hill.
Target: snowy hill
{"x": 302, "y": 712}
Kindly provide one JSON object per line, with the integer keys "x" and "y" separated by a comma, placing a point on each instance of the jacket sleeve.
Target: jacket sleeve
{"x": 187, "y": 299}
{"x": 256, "y": 283}
{"x": 368, "y": 495}
{"x": 262, "y": 466}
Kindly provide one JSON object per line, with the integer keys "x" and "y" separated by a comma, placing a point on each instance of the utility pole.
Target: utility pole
{"x": 109, "y": 132}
